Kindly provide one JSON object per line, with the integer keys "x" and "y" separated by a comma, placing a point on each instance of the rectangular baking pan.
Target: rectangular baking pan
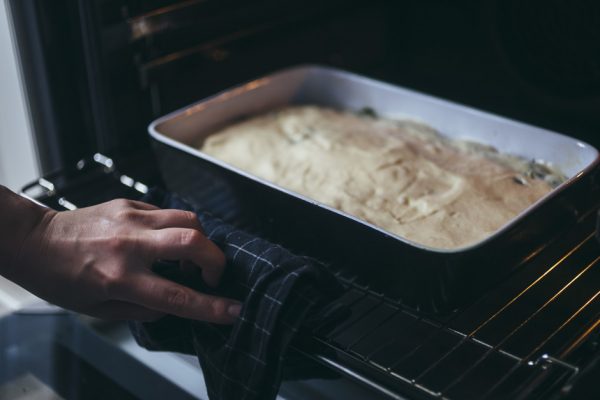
{"x": 429, "y": 279}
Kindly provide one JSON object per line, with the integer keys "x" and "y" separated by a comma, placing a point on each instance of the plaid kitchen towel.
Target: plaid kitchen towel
{"x": 283, "y": 296}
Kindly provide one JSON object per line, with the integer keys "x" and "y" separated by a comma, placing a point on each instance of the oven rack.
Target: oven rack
{"x": 471, "y": 355}
{"x": 528, "y": 337}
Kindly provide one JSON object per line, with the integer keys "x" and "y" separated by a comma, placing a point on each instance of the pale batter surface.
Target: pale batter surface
{"x": 398, "y": 175}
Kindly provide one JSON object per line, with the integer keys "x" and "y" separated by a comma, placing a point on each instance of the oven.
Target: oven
{"x": 98, "y": 72}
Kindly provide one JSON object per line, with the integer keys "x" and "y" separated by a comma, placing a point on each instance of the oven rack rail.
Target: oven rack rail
{"x": 529, "y": 337}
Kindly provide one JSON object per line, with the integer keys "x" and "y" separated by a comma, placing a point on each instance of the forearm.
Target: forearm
{"x": 18, "y": 218}
{"x": 97, "y": 260}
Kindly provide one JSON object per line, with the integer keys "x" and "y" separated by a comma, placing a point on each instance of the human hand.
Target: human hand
{"x": 97, "y": 260}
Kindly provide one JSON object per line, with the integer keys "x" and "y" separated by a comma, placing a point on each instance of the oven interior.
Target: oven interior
{"x": 98, "y": 72}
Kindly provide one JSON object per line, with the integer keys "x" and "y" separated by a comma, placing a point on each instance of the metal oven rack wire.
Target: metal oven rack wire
{"x": 531, "y": 336}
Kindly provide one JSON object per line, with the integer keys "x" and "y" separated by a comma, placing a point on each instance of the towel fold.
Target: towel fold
{"x": 284, "y": 296}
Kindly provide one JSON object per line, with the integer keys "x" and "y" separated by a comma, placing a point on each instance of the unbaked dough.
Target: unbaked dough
{"x": 399, "y": 175}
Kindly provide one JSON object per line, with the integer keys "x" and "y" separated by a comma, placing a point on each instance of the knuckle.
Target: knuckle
{"x": 125, "y": 214}
{"x": 190, "y": 237}
{"x": 218, "y": 308}
{"x": 190, "y": 216}
{"x": 121, "y": 203}
{"x": 193, "y": 220}
{"x": 112, "y": 279}
{"x": 177, "y": 299}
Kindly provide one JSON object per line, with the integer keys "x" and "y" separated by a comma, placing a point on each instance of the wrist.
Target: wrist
{"x": 19, "y": 219}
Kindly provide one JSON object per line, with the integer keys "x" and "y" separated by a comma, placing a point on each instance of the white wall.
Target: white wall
{"x": 18, "y": 160}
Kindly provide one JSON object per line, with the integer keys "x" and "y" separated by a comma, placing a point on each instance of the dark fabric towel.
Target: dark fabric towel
{"x": 283, "y": 296}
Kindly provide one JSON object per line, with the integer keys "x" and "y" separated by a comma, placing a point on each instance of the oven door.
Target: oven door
{"x": 47, "y": 353}
{"x": 52, "y": 354}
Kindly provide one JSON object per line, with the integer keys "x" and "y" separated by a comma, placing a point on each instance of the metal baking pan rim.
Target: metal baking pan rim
{"x": 227, "y": 94}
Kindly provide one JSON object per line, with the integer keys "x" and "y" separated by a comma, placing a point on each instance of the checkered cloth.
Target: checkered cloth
{"x": 284, "y": 296}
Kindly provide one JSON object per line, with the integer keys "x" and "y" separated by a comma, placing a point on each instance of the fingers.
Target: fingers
{"x": 161, "y": 219}
{"x": 115, "y": 310}
{"x": 187, "y": 244}
{"x": 156, "y": 217}
{"x": 156, "y": 293}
